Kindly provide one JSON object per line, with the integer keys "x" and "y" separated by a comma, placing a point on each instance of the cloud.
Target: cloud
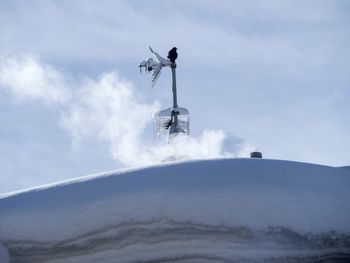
{"x": 108, "y": 109}
{"x": 27, "y": 78}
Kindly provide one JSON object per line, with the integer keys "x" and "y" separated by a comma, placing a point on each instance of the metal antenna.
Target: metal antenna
{"x": 176, "y": 119}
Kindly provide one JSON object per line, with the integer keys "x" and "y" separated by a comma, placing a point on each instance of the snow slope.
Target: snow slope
{"x": 219, "y": 210}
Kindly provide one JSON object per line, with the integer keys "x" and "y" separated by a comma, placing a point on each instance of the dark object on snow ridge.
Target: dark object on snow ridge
{"x": 255, "y": 155}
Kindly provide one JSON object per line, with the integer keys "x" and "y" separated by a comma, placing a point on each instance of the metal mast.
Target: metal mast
{"x": 174, "y": 128}
{"x": 174, "y": 119}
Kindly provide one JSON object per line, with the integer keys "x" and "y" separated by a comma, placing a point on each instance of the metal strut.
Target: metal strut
{"x": 174, "y": 129}
{"x": 173, "y": 71}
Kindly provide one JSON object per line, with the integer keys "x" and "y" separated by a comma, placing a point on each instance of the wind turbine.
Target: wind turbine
{"x": 175, "y": 119}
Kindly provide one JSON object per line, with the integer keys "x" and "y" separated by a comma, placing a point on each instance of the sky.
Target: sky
{"x": 271, "y": 76}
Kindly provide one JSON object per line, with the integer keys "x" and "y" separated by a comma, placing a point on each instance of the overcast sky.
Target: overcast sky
{"x": 266, "y": 75}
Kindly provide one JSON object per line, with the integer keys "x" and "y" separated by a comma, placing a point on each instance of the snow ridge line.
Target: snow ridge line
{"x": 165, "y": 233}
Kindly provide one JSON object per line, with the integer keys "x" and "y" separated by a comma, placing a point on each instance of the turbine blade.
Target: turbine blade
{"x": 156, "y": 74}
{"x": 163, "y": 61}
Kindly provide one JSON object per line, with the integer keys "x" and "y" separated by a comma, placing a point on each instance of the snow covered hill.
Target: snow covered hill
{"x": 222, "y": 210}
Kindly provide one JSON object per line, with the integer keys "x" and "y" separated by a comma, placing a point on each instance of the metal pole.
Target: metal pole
{"x": 173, "y": 67}
{"x": 174, "y": 129}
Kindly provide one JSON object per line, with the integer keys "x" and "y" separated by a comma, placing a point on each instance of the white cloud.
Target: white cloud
{"x": 26, "y": 77}
{"x": 107, "y": 109}
{"x": 110, "y": 110}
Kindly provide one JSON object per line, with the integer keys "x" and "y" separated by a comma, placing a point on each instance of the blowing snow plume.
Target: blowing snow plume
{"x": 107, "y": 109}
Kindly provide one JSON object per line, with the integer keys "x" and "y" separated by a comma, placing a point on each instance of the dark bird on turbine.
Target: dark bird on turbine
{"x": 172, "y": 55}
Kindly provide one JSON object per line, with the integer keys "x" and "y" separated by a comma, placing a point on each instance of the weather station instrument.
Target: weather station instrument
{"x": 174, "y": 120}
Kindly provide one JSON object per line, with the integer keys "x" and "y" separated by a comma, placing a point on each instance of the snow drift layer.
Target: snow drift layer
{"x": 224, "y": 210}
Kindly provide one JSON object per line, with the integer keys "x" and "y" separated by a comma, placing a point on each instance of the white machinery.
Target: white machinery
{"x": 175, "y": 119}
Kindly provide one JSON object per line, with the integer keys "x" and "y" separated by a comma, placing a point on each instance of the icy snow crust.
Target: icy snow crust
{"x": 220, "y": 210}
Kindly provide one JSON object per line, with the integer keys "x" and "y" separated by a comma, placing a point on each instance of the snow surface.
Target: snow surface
{"x": 192, "y": 211}
{"x": 4, "y": 254}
